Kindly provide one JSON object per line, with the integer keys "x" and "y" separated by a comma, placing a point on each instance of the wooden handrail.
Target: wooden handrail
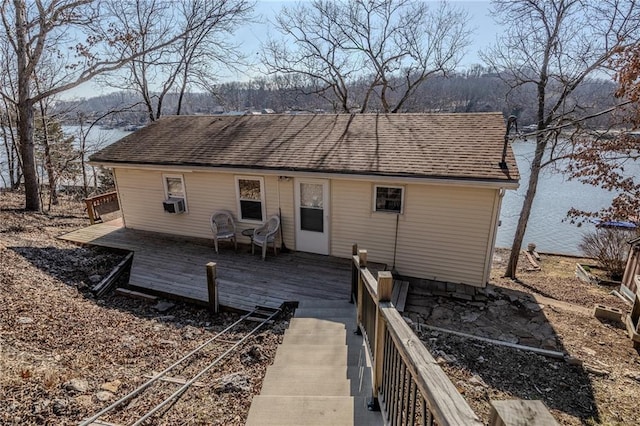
{"x": 408, "y": 384}
{"x": 444, "y": 401}
{"x": 101, "y": 204}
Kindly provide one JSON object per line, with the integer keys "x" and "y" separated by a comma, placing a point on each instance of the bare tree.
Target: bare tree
{"x": 554, "y": 46}
{"x": 207, "y": 47}
{"x": 8, "y": 129}
{"x": 190, "y": 59}
{"x": 8, "y": 116}
{"x": 389, "y": 46}
{"x": 315, "y": 53}
{"x": 54, "y": 26}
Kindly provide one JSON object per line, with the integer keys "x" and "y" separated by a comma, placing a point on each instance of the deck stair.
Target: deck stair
{"x": 320, "y": 374}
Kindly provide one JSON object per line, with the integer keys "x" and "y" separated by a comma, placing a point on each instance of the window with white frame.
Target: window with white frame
{"x": 174, "y": 187}
{"x": 250, "y": 194}
{"x": 388, "y": 198}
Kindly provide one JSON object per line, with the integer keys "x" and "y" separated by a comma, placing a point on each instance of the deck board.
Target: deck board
{"x": 175, "y": 266}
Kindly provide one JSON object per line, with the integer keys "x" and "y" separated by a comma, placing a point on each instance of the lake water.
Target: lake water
{"x": 97, "y": 138}
{"x": 547, "y": 228}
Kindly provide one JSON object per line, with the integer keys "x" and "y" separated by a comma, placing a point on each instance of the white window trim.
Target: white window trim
{"x": 375, "y": 194}
{"x": 262, "y": 199}
{"x": 184, "y": 188}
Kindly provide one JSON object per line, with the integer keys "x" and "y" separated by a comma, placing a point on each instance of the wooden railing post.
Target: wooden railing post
{"x": 90, "y": 212}
{"x": 362, "y": 262}
{"x": 354, "y": 275}
{"x": 212, "y": 287}
{"x": 362, "y": 258}
{"x": 385, "y": 289}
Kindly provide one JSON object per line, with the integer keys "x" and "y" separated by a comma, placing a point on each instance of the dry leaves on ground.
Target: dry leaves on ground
{"x": 601, "y": 389}
{"x": 65, "y": 355}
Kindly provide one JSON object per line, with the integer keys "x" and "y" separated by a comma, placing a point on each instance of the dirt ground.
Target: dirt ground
{"x": 548, "y": 309}
{"x": 64, "y": 354}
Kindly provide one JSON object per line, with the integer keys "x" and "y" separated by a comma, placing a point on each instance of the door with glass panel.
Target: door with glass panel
{"x": 312, "y": 215}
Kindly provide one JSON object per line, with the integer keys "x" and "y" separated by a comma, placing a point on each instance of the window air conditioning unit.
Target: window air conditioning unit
{"x": 173, "y": 205}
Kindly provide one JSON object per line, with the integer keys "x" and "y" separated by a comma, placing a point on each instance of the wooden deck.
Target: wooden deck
{"x": 175, "y": 267}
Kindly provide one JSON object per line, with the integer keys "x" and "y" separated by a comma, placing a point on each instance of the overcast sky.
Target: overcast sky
{"x": 251, "y": 35}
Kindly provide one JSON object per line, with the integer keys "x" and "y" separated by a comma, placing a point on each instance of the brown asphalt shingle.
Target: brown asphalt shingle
{"x": 463, "y": 146}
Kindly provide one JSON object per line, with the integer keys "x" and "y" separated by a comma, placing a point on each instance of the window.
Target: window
{"x": 174, "y": 187}
{"x": 312, "y": 207}
{"x": 250, "y": 191}
{"x": 388, "y": 198}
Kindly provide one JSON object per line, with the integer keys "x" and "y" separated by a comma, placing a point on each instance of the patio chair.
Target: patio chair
{"x": 265, "y": 235}
{"x": 224, "y": 228}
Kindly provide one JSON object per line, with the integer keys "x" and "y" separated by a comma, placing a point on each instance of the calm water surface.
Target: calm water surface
{"x": 97, "y": 138}
{"x": 548, "y": 227}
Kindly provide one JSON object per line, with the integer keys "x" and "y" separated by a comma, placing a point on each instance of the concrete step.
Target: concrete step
{"x": 312, "y": 324}
{"x": 320, "y": 338}
{"x": 320, "y": 303}
{"x": 302, "y": 410}
{"x": 317, "y": 355}
{"x": 312, "y": 411}
{"x": 306, "y": 381}
{"x": 326, "y": 313}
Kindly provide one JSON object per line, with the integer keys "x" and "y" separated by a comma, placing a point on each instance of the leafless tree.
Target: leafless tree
{"x": 207, "y": 48}
{"x": 554, "y": 47}
{"x": 84, "y": 37}
{"x": 7, "y": 128}
{"x": 392, "y": 46}
{"x": 193, "y": 56}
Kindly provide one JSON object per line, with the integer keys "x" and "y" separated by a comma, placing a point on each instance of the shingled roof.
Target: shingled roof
{"x": 444, "y": 146}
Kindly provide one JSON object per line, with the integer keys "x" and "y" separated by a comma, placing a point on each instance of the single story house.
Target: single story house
{"x": 420, "y": 192}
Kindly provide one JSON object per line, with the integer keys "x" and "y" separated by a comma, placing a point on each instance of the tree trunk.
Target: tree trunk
{"x": 9, "y": 148}
{"x": 48, "y": 163}
{"x": 25, "y": 111}
{"x": 159, "y": 106}
{"x": 183, "y": 88}
{"x": 512, "y": 266}
{"x": 83, "y": 153}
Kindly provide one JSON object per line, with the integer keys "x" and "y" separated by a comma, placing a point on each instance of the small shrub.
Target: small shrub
{"x": 609, "y": 246}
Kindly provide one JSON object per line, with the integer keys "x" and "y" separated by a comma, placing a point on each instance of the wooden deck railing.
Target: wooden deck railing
{"x": 101, "y": 204}
{"x": 408, "y": 384}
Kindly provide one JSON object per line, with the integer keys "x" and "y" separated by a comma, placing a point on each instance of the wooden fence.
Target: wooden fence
{"x": 101, "y": 204}
{"x": 408, "y": 384}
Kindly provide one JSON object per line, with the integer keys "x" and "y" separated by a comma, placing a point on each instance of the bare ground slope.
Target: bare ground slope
{"x": 549, "y": 309}
{"x": 65, "y": 355}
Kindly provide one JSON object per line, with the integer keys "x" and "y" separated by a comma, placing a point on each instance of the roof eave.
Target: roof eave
{"x": 506, "y": 183}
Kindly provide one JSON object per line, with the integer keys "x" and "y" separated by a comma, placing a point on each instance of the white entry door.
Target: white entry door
{"x": 312, "y": 215}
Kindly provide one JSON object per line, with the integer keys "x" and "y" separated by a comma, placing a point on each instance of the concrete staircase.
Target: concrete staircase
{"x": 320, "y": 375}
